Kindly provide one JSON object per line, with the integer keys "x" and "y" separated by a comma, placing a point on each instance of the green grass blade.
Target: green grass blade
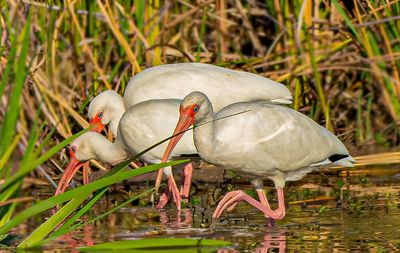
{"x": 7, "y": 71}
{"x": 13, "y": 108}
{"x": 9, "y": 151}
{"x": 57, "y": 200}
{"x": 43, "y": 143}
{"x": 347, "y": 20}
{"x": 32, "y": 165}
{"x": 43, "y": 230}
{"x": 7, "y": 210}
{"x": 66, "y": 227}
{"x": 157, "y": 243}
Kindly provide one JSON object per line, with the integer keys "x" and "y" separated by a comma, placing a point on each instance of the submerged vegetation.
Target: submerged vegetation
{"x": 340, "y": 60}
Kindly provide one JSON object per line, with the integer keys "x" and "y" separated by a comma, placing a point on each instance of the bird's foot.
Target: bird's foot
{"x": 231, "y": 199}
{"x": 164, "y": 198}
{"x": 172, "y": 190}
{"x": 229, "y": 202}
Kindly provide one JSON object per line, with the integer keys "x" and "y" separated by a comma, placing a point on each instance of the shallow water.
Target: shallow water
{"x": 358, "y": 213}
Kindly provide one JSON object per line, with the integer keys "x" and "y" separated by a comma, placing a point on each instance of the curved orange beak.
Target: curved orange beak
{"x": 73, "y": 166}
{"x": 98, "y": 126}
{"x": 186, "y": 119}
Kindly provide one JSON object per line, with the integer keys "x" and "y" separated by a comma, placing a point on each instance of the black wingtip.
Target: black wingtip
{"x": 337, "y": 157}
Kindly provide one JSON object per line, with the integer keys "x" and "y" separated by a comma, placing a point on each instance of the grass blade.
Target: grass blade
{"x": 89, "y": 188}
{"x": 157, "y": 243}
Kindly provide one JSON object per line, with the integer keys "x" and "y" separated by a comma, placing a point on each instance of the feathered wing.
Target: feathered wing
{"x": 222, "y": 86}
{"x": 274, "y": 138}
{"x": 149, "y": 122}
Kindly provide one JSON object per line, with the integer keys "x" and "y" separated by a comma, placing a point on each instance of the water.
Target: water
{"x": 358, "y": 213}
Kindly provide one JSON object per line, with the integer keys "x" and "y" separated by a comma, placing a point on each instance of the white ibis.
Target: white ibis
{"x": 223, "y": 86}
{"x": 91, "y": 145}
{"x": 137, "y": 130}
{"x": 266, "y": 141}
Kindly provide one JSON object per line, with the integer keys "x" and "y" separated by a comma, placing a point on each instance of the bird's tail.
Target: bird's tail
{"x": 285, "y": 100}
{"x": 346, "y": 162}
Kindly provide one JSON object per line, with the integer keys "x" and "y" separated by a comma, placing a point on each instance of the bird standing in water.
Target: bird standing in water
{"x": 261, "y": 141}
{"x": 175, "y": 81}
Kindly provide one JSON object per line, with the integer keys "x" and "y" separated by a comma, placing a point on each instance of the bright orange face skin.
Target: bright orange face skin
{"x": 98, "y": 126}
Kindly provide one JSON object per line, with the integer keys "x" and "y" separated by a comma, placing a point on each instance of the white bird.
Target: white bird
{"x": 137, "y": 130}
{"x": 261, "y": 141}
{"x": 223, "y": 86}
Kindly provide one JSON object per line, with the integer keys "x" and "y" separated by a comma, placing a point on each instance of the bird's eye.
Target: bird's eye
{"x": 195, "y": 109}
{"x": 100, "y": 115}
{"x": 73, "y": 149}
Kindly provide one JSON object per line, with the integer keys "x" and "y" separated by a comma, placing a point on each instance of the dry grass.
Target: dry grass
{"x": 341, "y": 62}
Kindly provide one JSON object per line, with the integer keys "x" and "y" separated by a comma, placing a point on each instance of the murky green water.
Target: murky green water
{"x": 357, "y": 213}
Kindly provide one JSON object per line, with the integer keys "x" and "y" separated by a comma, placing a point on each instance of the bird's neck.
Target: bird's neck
{"x": 110, "y": 152}
{"x": 204, "y": 136}
{"x": 115, "y": 121}
{"x": 118, "y": 109}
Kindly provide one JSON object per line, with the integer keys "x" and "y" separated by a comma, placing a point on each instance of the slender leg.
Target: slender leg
{"x": 232, "y": 198}
{"x": 187, "y": 179}
{"x": 159, "y": 178}
{"x": 172, "y": 190}
{"x": 135, "y": 165}
{"x": 281, "y": 202}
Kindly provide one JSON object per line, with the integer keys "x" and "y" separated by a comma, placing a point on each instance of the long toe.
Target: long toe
{"x": 231, "y": 198}
{"x": 163, "y": 200}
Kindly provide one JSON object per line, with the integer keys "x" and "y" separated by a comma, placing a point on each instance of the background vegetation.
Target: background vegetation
{"x": 340, "y": 59}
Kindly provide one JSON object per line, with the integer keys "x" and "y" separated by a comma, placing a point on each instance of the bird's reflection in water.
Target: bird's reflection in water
{"x": 273, "y": 242}
{"x": 182, "y": 219}
{"x": 74, "y": 240}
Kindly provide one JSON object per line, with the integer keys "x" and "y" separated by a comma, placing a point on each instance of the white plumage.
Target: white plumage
{"x": 222, "y": 86}
{"x": 261, "y": 141}
{"x": 144, "y": 124}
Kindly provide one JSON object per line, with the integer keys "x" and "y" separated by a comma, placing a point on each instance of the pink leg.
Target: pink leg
{"x": 172, "y": 189}
{"x": 232, "y": 198}
{"x": 159, "y": 178}
{"x": 135, "y": 165}
{"x": 187, "y": 179}
{"x": 281, "y": 202}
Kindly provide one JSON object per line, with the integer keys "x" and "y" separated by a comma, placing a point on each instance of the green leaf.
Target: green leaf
{"x": 45, "y": 228}
{"x": 347, "y": 20}
{"x": 32, "y": 165}
{"x": 82, "y": 190}
{"x": 66, "y": 228}
{"x": 157, "y": 244}
{"x": 13, "y": 108}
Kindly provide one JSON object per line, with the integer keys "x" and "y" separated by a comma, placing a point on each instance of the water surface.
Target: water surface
{"x": 325, "y": 212}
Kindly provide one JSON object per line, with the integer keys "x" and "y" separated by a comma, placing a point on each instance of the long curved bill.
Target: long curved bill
{"x": 73, "y": 166}
{"x": 185, "y": 121}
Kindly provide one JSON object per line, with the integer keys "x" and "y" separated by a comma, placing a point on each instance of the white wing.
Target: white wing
{"x": 222, "y": 86}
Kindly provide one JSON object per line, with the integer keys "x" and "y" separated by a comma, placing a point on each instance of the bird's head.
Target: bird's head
{"x": 194, "y": 108}
{"x": 80, "y": 152}
{"x": 103, "y": 108}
